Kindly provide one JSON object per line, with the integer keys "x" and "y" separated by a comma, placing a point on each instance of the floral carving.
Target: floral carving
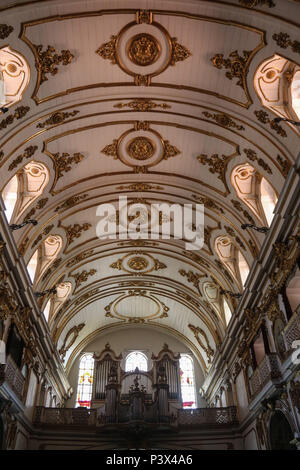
{"x": 71, "y": 202}
{"x": 285, "y": 165}
{"x": 63, "y": 162}
{"x": 82, "y": 277}
{"x": 263, "y": 117}
{"x": 179, "y": 52}
{"x": 240, "y": 208}
{"x": 48, "y": 60}
{"x": 75, "y": 231}
{"x": 208, "y": 203}
{"x": 283, "y": 40}
{"x": 236, "y": 64}
{"x": 170, "y": 150}
{"x": 57, "y": 118}
{"x": 232, "y": 233}
{"x": 28, "y": 153}
{"x": 111, "y": 149}
{"x": 194, "y": 278}
{"x": 142, "y": 104}
{"x": 140, "y": 187}
{"x": 251, "y": 155}
{"x": 208, "y": 350}
{"x": 45, "y": 232}
{"x": 80, "y": 257}
{"x": 40, "y": 205}
{"x": 19, "y": 113}
{"x": 217, "y": 164}
{"x": 223, "y": 120}
{"x": 108, "y": 50}
{"x": 5, "y": 31}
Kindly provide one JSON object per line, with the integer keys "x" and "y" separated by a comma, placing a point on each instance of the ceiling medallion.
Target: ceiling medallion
{"x": 131, "y": 145}
{"x": 141, "y": 148}
{"x": 143, "y": 49}
{"x": 138, "y": 263}
{"x": 158, "y": 50}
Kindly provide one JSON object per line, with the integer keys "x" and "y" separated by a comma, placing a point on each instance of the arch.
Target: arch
{"x": 254, "y": 191}
{"x": 24, "y": 188}
{"x": 85, "y": 381}
{"x": 276, "y": 83}
{"x": 44, "y": 256}
{"x": 280, "y": 432}
{"x": 187, "y": 381}
{"x": 293, "y": 291}
{"x": 232, "y": 258}
{"x": 136, "y": 359}
{"x": 14, "y": 75}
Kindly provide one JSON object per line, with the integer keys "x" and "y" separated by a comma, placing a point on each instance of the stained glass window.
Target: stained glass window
{"x": 136, "y": 359}
{"x": 85, "y": 381}
{"x": 187, "y": 380}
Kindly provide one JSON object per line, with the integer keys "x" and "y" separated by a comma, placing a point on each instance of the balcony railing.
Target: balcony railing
{"x": 292, "y": 330}
{"x": 64, "y": 416}
{"x": 89, "y": 418}
{"x": 208, "y": 416}
{"x": 10, "y": 374}
{"x": 268, "y": 370}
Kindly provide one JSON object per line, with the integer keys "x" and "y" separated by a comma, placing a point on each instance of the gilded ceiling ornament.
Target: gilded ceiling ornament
{"x": 40, "y": 205}
{"x": 263, "y": 117}
{"x": 232, "y": 233}
{"x": 71, "y": 202}
{"x": 140, "y": 187}
{"x": 52, "y": 268}
{"x": 217, "y": 164}
{"x": 208, "y": 203}
{"x": 196, "y": 258}
{"x": 144, "y": 16}
{"x": 138, "y": 263}
{"x": 82, "y": 277}
{"x": 45, "y": 232}
{"x": 179, "y": 52}
{"x": 19, "y": 113}
{"x": 111, "y": 150}
{"x": 143, "y": 49}
{"x": 75, "y": 231}
{"x": 48, "y": 59}
{"x": 80, "y": 257}
{"x": 194, "y": 278}
{"x": 240, "y": 208}
{"x": 256, "y": 3}
{"x": 108, "y": 50}
{"x": 283, "y": 40}
{"x": 285, "y": 165}
{"x": 237, "y": 65}
{"x": 28, "y": 153}
{"x": 138, "y": 243}
{"x": 64, "y": 162}
{"x": 86, "y": 296}
{"x": 5, "y": 31}
{"x": 208, "y": 350}
{"x": 142, "y": 104}
{"x": 251, "y": 155}
{"x": 57, "y": 118}
{"x": 253, "y": 248}
{"x": 141, "y": 148}
{"x": 170, "y": 150}
{"x": 22, "y": 247}
{"x": 223, "y": 120}
{"x": 74, "y": 332}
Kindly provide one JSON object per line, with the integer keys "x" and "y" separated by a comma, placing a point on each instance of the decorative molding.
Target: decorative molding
{"x": 179, "y": 52}
{"x": 138, "y": 263}
{"x": 208, "y": 350}
{"x": 108, "y": 50}
{"x": 5, "y": 31}
{"x": 19, "y": 113}
{"x": 251, "y": 155}
{"x": 263, "y": 117}
{"x": 40, "y": 205}
{"x": 71, "y": 202}
{"x": 256, "y": 3}
{"x": 143, "y": 49}
{"x": 223, "y": 270}
{"x": 47, "y": 60}
{"x": 285, "y": 165}
{"x": 57, "y": 118}
{"x": 74, "y": 231}
{"x": 72, "y": 332}
{"x": 238, "y": 206}
{"x": 82, "y": 277}
{"x": 142, "y": 104}
{"x": 283, "y": 40}
{"x": 194, "y": 278}
{"x": 28, "y": 153}
{"x": 52, "y": 268}
{"x": 223, "y": 120}
{"x": 80, "y": 257}
{"x": 63, "y": 162}
{"x": 45, "y": 232}
{"x": 140, "y": 187}
{"x": 196, "y": 258}
{"x": 216, "y": 165}
{"x": 208, "y": 203}
{"x": 86, "y": 296}
{"x": 232, "y": 233}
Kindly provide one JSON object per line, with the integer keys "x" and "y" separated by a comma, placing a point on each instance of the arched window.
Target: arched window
{"x": 293, "y": 291}
{"x": 14, "y": 75}
{"x": 295, "y": 93}
{"x": 187, "y": 380}
{"x": 44, "y": 256}
{"x": 23, "y": 189}
{"x": 232, "y": 258}
{"x": 136, "y": 359}
{"x": 63, "y": 291}
{"x": 255, "y": 191}
{"x": 85, "y": 381}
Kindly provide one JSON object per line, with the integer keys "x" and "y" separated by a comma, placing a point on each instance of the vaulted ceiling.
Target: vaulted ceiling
{"x": 159, "y": 106}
